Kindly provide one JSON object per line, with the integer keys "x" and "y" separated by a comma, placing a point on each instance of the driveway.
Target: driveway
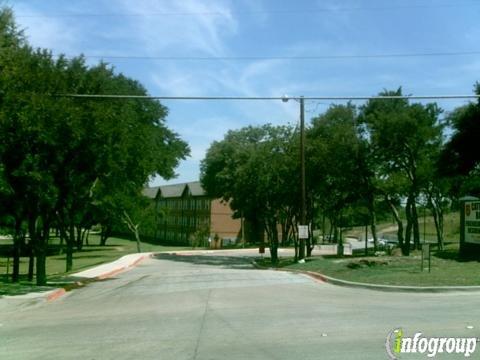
{"x": 213, "y": 306}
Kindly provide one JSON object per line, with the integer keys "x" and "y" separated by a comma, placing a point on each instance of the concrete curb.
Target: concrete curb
{"x": 114, "y": 268}
{"x": 55, "y": 294}
{"x": 378, "y": 287}
{"x": 122, "y": 266}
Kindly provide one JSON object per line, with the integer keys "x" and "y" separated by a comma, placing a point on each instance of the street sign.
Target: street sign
{"x": 303, "y": 231}
{"x": 472, "y": 222}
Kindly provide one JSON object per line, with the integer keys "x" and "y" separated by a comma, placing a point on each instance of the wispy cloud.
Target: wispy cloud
{"x": 201, "y": 32}
{"x": 51, "y": 33}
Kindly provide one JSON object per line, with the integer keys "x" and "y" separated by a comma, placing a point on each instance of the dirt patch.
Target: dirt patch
{"x": 364, "y": 263}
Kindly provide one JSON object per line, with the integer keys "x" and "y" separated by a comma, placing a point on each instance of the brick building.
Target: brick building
{"x": 183, "y": 209}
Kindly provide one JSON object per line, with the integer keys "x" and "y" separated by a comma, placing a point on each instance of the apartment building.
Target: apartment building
{"x": 183, "y": 209}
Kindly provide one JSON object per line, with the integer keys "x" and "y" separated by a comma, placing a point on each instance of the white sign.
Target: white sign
{"x": 303, "y": 231}
{"x": 472, "y": 222}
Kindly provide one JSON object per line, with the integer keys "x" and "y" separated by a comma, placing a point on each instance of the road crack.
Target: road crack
{"x": 202, "y": 325}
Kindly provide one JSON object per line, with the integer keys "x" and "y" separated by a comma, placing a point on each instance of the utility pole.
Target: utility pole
{"x": 302, "y": 226}
{"x": 303, "y": 215}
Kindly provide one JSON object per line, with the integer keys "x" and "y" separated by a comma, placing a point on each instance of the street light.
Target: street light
{"x": 302, "y": 234}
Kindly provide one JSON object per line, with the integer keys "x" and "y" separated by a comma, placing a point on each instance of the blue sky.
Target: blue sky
{"x": 268, "y": 29}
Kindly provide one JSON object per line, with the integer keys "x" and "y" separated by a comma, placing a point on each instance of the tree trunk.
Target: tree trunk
{"x": 438, "y": 219}
{"x": 274, "y": 245}
{"x": 283, "y": 226}
{"x": 41, "y": 266}
{"x": 440, "y": 228}
{"x": 416, "y": 228}
{"x": 133, "y": 228}
{"x": 339, "y": 241}
{"x": 331, "y": 231}
{"x": 373, "y": 221}
{"x": 32, "y": 231}
{"x": 434, "y": 202}
{"x": 18, "y": 242}
{"x": 86, "y": 237}
{"x": 66, "y": 238}
{"x": 79, "y": 237}
{"x": 104, "y": 234}
{"x": 39, "y": 242}
{"x": 323, "y": 226}
{"x": 70, "y": 244}
{"x": 137, "y": 238}
{"x": 31, "y": 263}
{"x": 61, "y": 243}
{"x": 309, "y": 245}
{"x": 399, "y": 222}
{"x": 408, "y": 230}
{"x": 16, "y": 261}
{"x": 293, "y": 231}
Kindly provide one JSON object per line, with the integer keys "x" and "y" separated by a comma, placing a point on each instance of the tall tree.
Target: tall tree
{"x": 402, "y": 136}
{"x": 54, "y": 150}
{"x": 460, "y": 159}
{"x": 252, "y": 170}
{"x": 338, "y": 171}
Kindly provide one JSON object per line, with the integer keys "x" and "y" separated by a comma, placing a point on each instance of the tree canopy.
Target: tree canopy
{"x": 65, "y": 159}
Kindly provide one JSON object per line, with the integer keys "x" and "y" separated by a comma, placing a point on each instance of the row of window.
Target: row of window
{"x": 175, "y": 236}
{"x": 189, "y": 203}
{"x": 185, "y": 220}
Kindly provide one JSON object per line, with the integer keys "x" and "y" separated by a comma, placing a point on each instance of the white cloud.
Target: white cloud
{"x": 50, "y": 33}
{"x": 191, "y": 26}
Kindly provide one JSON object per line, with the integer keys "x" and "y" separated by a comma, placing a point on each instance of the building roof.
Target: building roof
{"x": 175, "y": 190}
{"x": 196, "y": 188}
{"x": 150, "y": 192}
{"x": 171, "y": 191}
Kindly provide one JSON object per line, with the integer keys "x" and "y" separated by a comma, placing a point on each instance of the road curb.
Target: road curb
{"x": 378, "y": 287}
{"x": 122, "y": 268}
{"x": 62, "y": 291}
{"x": 57, "y": 293}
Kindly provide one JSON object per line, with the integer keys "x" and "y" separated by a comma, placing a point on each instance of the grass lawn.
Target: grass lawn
{"x": 390, "y": 270}
{"x": 451, "y": 228}
{"x": 90, "y": 256}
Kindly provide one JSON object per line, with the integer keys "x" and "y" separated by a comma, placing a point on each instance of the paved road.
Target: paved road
{"x": 218, "y": 307}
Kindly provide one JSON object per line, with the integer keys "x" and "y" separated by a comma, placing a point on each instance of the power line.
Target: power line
{"x": 300, "y": 57}
{"x": 282, "y": 98}
{"x": 253, "y": 12}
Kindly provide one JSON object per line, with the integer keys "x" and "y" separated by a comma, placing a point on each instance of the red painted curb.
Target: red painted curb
{"x": 111, "y": 273}
{"x": 117, "y": 271}
{"x": 316, "y": 276}
{"x": 56, "y": 294}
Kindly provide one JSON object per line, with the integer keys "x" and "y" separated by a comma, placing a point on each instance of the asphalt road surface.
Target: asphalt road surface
{"x": 219, "y": 307}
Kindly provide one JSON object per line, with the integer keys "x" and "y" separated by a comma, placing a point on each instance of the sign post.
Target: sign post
{"x": 470, "y": 227}
{"x": 303, "y": 231}
{"x": 426, "y": 255}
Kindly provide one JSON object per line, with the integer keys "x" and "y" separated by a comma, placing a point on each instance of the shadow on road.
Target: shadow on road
{"x": 232, "y": 262}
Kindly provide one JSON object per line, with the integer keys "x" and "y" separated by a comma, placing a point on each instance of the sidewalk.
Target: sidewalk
{"x": 78, "y": 279}
{"x": 110, "y": 269}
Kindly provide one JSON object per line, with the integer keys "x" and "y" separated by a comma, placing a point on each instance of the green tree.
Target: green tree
{"x": 252, "y": 170}
{"x": 55, "y": 150}
{"x": 402, "y": 137}
{"x": 338, "y": 170}
{"x": 460, "y": 159}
